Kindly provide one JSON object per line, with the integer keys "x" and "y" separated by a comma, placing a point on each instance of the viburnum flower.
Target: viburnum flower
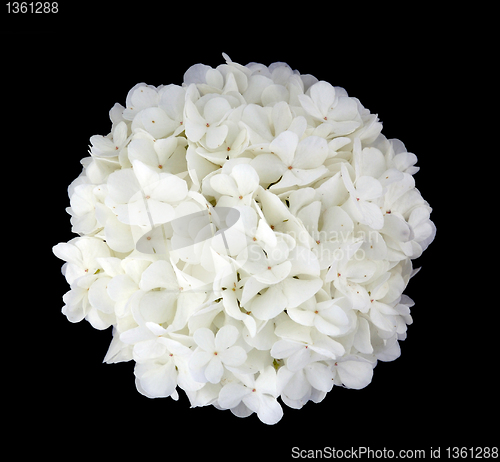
{"x": 248, "y": 235}
{"x": 331, "y": 105}
{"x": 292, "y": 162}
{"x": 110, "y": 146}
{"x": 236, "y": 188}
{"x": 216, "y": 352}
{"x": 253, "y": 395}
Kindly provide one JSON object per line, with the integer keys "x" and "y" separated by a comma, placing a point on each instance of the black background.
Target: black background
{"x": 59, "y": 85}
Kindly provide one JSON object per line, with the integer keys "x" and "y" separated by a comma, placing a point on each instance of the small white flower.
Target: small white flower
{"x": 143, "y": 197}
{"x": 329, "y": 317}
{"x": 292, "y": 162}
{"x": 172, "y": 102}
{"x": 256, "y": 395}
{"x": 110, "y": 146}
{"x": 331, "y": 105}
{"x": 237, "y": 188}
{"x": 299, "y": 353}
{"x": 216, "y": 352}
{"x": 362, "y": 195}
{"x": 204, "y": 120}
{"x": 81, "y": 254}
{"x": 140, "y": 97}
{"x": 83, "y": 204}
{"x": 158, "y": 377}
{"x": 166, "y": 155}
{"x": 298, "y": 387}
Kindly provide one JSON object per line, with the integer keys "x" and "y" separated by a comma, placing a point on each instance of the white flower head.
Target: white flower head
{"x": 248, "y": 235}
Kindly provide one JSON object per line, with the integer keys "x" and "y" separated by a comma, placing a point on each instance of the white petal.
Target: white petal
{"x": 157, "y": 123}
{"x": 362, "y": 341}
{"x": 269, "y": 304}
{"x": 118, "y": 235}
{"x": 170, "y": 188}
{"x": 285, "y": 348}
{"x": 135, "y": 335}
{"x": 196, "y": 74}
{"x": 195, "y": 124}
{"x": 326, "y": 327}
{"x": 234, "y": 356}
{"x": 246, "y": 178}
{"x": 68, "y": 252}
{"x": 311, "y": 152}
{"x": 270, "y": 411}
{"x": 121, "y": 287}
{"x": 269, "y": 168}
{"x": 323, "y": 95}
{"x": 216, "y": 136}
{"x": 159, "y": 212}
{"x": 319, "y": 376}
{"x": 231, "y": 395}
{"x": 224, "y": 184}
{"x": 274, "y": 94}
{"x": 172, "y": 101}
{"x": 250, "y": 289}
{"x": 304, "y": 317}
{"x": 159, "y": 274}
{"x": 306, "y": 177}
{"x": 156, "y": 381}
{"x": 122, "y": 185}
{"x": 397, "y": 228}
{"x": 334, "y": 314}
{"x": 355, "y": 374}
{"x": 298, "y": 291}
{"x": 337, "y": 224}
{"x": 298, "y": 386}
{"x": 368, "y": 188}
{"x": 204, "y": 338}
{"x": 371, "y": 215}
{"x": 216, "y": 109}
{"x": 299, "y": 359}
{"x": 145, "y": 176}
{"x": 164, "y": 148}
{"x": 214, "y": 370}
{"x": 266, "y": 382}
{"x": 144, "y": 96}
{"x": 344, "y": 128}
{"x": 120, "y": 134}
{"x": 199, "y": 359}
{"x": 347, "y": 180}
{"x": 284, "y": 146}
{"x": 98, "y": 296}
{"x": 346, "y": 109}
{"x": 158, "y": 306}
{"x": 149, "y": 349}
{"x": 256, "y": 85}
{"x": 226, "y": 337}
{"x": 102, "y": 146}
{"x": 143, "y": 150}
{"x": 194, "y": 131}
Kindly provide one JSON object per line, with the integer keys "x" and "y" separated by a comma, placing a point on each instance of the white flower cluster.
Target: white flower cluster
{"x": 248, "y": 235}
